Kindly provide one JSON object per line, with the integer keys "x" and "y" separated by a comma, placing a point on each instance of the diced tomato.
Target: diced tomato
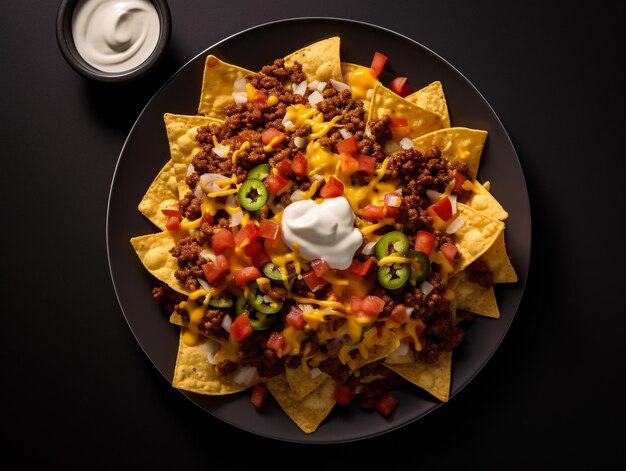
{"x": 398, "y": 314}
{"x": 349, "y": 146}
{"x": 314, "y": 282}
{"x": 276, "y": 341}
{"x": 319, "y": 266}
{"x": 172, "y": 224}
{"x": 259, "y": 393}
{"x": 295, "y": 318}
{"x": 299, "y": 164}
{"x": 207, "y": 218}
{"x": 378, "y": 63}
{"x": 348, "y": 163}
{"x": 392, "y": 212}
{"x": 269, "y": 134}
{"x": 246, "y": 275}
{"x": 268, "y": 229}
{"x": 260, "y": 100}
{"x": 399, "y": 132}
{"x": 367, "y": 164}
{"x": 284, "y": 168}
{"x": 373, "y": 212}
{"x": 386, "y": 405}
{"x": 260, "y": 258}
{"x": 222, "y": 240}
{"x": 459, "y": 179}
{"x": 343, "y": 394}
{"x": 449, "y": 251}
{"x": 443, "y": 208}
{"x": 391, "y": 203}
{"x": 241, "y": 328}
{"x": 399, "y": 123}
{"x": 172, "y": 212}
{"x": 355, "y": 304}
{"x": 425, "y": 242}
{"x": 274, "y": 182}
{"x": 253, "y": 248}
{"x": 372, "y": 305}
{"x": 400, "y": 86}
{"x": 332, "y": 188}
{"x": 248, "y": 232}
{"x": 212, "y": 272}
{"x": 360, "y": 268}
{"x": 222, "y": 263}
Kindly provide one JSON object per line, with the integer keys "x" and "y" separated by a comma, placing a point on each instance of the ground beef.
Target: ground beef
{"x": 226, "y": 367}
{"x": 478, "y": 272}
{"x": 253, "y": 352}
{"x": 440, "y": 335}
{"x": 187, "y": 253}
{"x": 167, "y": 297}
{"x": 334, "y": 102}
{"x": 335, "y": 369}
{"x": 190, "y": 206}
{"x": 211, "y": 323}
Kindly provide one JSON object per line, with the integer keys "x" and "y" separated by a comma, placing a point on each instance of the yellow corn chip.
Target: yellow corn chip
{"x": 301, "y": 382}
{"x": 473, "y": 297}
{"x": 434, "y": 378}
{"x": 432, "y": 98}
{"x": 217, "y": 86}
{"x": 478, "y": 233}
{"x": 162, "y": 194}
{"x": 320, "y": 60}
{"x": 499, "y": 263}
{"x": 484, "y": 202}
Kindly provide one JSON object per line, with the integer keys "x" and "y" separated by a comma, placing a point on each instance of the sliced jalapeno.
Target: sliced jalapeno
{"x": 260, "y": 321}
{"x": 263, "y": 303}
{"x": 252, "y": 194}
{"x": 240, "y": 306}
{"x": 394, "y": 276}
{"x": 259, "y": 172}
{"x": 394, "y": 242}
{"x": 222, "y": 300}
{"x": 421, "y": 269}
{"x": 273, "y": 272}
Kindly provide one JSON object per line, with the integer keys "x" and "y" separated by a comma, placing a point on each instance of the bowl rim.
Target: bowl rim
{"x": 68, "y": 49}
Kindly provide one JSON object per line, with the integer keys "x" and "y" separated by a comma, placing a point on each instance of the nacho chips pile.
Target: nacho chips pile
{"x": 305, "y": 393}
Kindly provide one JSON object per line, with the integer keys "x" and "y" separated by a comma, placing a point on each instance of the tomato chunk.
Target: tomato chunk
{"x": 459, "y": 179}
{"x": 348, "y": 163}
{"x": 443, "y": 208}
{"x": 372, "y": 305}
{"x": 276, "y": 341}
{"x": 260, "y": 258}
{"x": 284, "y": 168}
{"x": 319, "y": 266}
{"x": 212, "y": 272}
{"x": 241, "y": 328}
{"x": 253, "y": 248}
{"x": 355, "y": 304}
{"x": 247, "y": 233}
{"x": 274, "y": 182}
{"x": 207, "y": 218}
{"x": 172, "y": 212}
{"x": 222, "y": 240}
{"x": 172, "y": 224}
{"x": 386, "y": 405}
{"x": 270, "y": 133}
{"x": 295, "y": 318}
{"x": 425, "y": 242}
{"x": 343, "y": 394}
{"x": 332, "y": 188}
{"x": 314, "y": 282}
{"x": 349, "y": 146}
{"x": 299, "y": 164}
{"x": 449, "y": 251}
{"x": 367, "y": 164}
{"x": 259, "y": 393}
{"x": 400, "y": 86}
{"x": 373, "y": 212}
{"x": 268, "y": 229}
{"x": 399, "y": 123}
{"x": 399, "y": 314}
{"x": 246, "y": 275}
{"x": 360, "y": 268}
{"x": 378, "y": 63}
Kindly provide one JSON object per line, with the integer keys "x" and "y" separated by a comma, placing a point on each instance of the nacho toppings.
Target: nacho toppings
{"x": 316, "y": 237}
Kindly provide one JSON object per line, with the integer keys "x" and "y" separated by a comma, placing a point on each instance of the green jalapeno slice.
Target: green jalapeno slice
{"x": 252, "y": 194}
{"x": 263, "y": 303}
{"x": 392, "y": 243}
{"x": 259, "y": 172}
{"x": 221, "y": 301}
{"x": 273, "y": 272}
{"x": 421, "y": 272}
{"x": 394, "y": 276}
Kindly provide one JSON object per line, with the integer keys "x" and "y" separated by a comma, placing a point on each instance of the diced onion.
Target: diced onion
{"x": 300, "y": 88}
{"x": 240, "y": 97}
{"x": 321, "y": 86}
{"x": 391, "y": 147}
{"x": 409, "y": 311}
{"x": 207, "y": 182}
{"x": 402, "y": 350}
{"x": 368, "y": 131}
{"x": 453, "y": 203}
{"x": 426, "y": 287}
{"x": 394, "y": 201}
{"x": 447, "y": 146}
{"x": 398, "y": 246}
{"x": 208, "y": 255}
{"x": 267, "y": 299}
{"x": 313, "y": 85}
{"x": 297, "y": 195}
{"x": 288, "y": 125}
{"x": 235, "y": 219}
{"x": 339, "y": 86}
{"x": 226, "y": 322}
{"x": 315, "y": 372}
{"x": 406, "y": 143}
{"x": 204, "y": 284}
{"x": 221, "y": 150}
{"x": 305, "y": 308}
{"x": 190, "y": 169}
{"x": 245, "y": 375}
{"x": 433, "y": 195}
{"x": 208, "y": 349}
{"x": 455, "y": 225}
{"x": 345, "y": 133}
{"x": 231, "y": 201}
{"x": 198, "y": 193}
{"x": 239, "y": 85}
{"x": 368, "y": 249}
{"x": 300, "y": 142}
{"x": 315, "y": 98}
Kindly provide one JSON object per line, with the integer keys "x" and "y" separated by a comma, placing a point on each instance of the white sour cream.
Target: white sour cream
{"x": 115, "y": 35}
{"x": 323, "y": 230}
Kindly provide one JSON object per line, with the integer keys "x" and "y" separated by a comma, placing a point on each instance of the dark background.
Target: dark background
{"x": 80, "y": 391}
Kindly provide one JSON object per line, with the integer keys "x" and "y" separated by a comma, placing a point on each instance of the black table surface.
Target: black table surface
{"x": 78, "y": 389}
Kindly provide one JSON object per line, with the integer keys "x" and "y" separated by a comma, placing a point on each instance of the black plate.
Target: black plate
{"x": 146, "y": 151}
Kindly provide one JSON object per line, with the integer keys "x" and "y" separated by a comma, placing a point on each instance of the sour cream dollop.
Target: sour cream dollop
{"x": 323, "y": 230}
{"x": 115, "y": 35}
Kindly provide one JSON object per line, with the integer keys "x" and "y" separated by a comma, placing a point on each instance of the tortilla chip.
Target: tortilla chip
{"x": 162, "y": 193}
{"x": 301, "y": 382}
{"x": 474, "y": 298}
{"x": 177, "y": 319}
{"x": 181, "y": 135}
{"x": 382, "y": 347}
{"x": 346, "y": 69}
{"x": 499, "y": 263}
{"x": 434, "y": 378}
{"x": 386, "y": 102}
{"x": 477, "y": 234}
{"x": 320, "y": 61}
{"x": 217, "y": 86}
{"x": 194, "y": 373}
{"x": 456, "y": 144}
{"x": 485, "y": 203}
{"x": 308, "y": 412}
{"x": 432, "y": 98}
{"x": 153, "y": 251}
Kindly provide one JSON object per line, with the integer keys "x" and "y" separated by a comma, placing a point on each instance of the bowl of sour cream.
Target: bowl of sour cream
{"x": 113, "y": 40}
